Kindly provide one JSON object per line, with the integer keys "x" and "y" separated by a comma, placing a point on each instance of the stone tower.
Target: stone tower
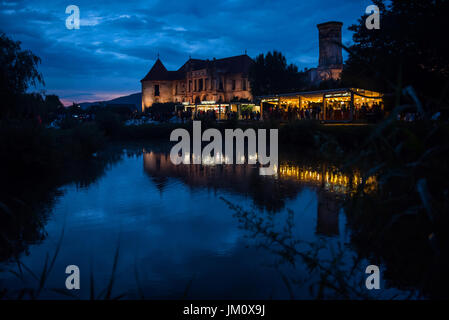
{"x": 331, "y": 59}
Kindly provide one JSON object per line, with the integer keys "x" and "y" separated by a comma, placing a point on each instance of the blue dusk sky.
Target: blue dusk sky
{"x": 118, "y": 41}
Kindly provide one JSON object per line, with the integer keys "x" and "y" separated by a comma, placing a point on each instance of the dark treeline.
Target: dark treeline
{"x": 270, "y": 74}
{"x": 409, "y": 50}
{"x": 403, "y": 226}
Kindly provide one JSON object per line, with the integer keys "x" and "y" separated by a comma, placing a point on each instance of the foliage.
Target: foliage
{"x": 109, "y": 121}
{"x": 35, "y": 105}
{"x": 332, "y": 271}
{"x": 162, "y": 111}
{"x": 27, "y": 147}
{"x": 408, "y": 50}
{"x": 270, "y": 74}
{"x": 409, "y": 212}
{"x": 18, "y": 71}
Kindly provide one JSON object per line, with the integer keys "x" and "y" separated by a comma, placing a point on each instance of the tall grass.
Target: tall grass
{"x": 331, "y": 272}
{"x": 22, "y": 272}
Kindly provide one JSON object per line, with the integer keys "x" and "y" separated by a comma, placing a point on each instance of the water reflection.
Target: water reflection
{"x": 268, "y": 193}
{"x": 175, "y": 227}
{"x": 26, "y": 202}
{"x": 328, "y": 178}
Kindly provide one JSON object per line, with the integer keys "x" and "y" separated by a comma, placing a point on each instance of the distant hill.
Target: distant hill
{"x": 135, "y": 99}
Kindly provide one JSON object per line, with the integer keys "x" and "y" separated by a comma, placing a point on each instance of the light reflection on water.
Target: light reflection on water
{"x": 172, "y": 227}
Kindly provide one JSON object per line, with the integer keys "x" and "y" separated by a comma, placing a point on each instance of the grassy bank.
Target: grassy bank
{"x": 26, "y": 147}
{"x": 301, "y": 136}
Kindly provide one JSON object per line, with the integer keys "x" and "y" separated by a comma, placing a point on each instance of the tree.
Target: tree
{"x": 409, "y": 49}
{"x": 270, "y": 74}
{"x": 52, "y": 103}
{"x": 162, "y": 111}
{"x": 18, "y": 71}
{"x": 74, "y": 108}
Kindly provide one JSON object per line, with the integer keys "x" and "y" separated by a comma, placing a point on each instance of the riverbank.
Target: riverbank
{"x": 29, "y": 148}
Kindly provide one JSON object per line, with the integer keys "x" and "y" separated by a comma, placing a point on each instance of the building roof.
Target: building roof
{"x": 236, "y": 64}
{"x": 159, "y": 72}
{"x": 329, "y": 23}
{"x": 317, "y": 92}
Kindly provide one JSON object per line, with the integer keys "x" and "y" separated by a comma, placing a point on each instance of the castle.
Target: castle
{"x": 225, "y": 80}
{"x": 220, "y": 80}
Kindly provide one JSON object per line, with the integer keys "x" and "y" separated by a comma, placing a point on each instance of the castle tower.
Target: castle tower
{"x": 331, "y": 59}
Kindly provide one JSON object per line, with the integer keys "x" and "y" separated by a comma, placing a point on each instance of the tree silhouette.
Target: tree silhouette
{"x": 409, "y": 49}
{"x": 270, "y": 74}
{"x": 18, "y": 71}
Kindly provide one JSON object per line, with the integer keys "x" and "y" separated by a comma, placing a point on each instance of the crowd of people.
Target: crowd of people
{"x": 188, "y": 114}
{"x": 333, "y": 111}
{"x": 367, "y": 112}
{"x": 313, "y": 111}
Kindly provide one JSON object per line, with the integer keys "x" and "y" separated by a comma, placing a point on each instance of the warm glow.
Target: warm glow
{"x": 329, "y": 179}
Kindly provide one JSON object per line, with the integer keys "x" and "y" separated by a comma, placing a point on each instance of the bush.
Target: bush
{"x": 110, "y": 122}
{"x": 27, "y": 148}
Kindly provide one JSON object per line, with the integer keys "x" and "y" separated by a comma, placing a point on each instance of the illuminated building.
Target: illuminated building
{"x": 208, "y": 83}
{"x": 221, "y": 86}
{"x": 346, "y": 104}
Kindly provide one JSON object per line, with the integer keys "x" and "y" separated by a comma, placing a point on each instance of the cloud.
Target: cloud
{"x": 118, "y": 41}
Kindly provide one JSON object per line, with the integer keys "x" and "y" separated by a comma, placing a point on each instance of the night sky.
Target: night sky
{"x": 118, "y": 41}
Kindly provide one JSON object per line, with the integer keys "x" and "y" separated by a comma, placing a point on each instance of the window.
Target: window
{"x": 233, "y": 84}
{"x": 156, "y": 90}
{"x": 220, "y": 84}
{"x": 190, "y": 85}
{"x": 244, "y": 84}
{"x": 200, "y": 85}
{"x": 206, "y": 85}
